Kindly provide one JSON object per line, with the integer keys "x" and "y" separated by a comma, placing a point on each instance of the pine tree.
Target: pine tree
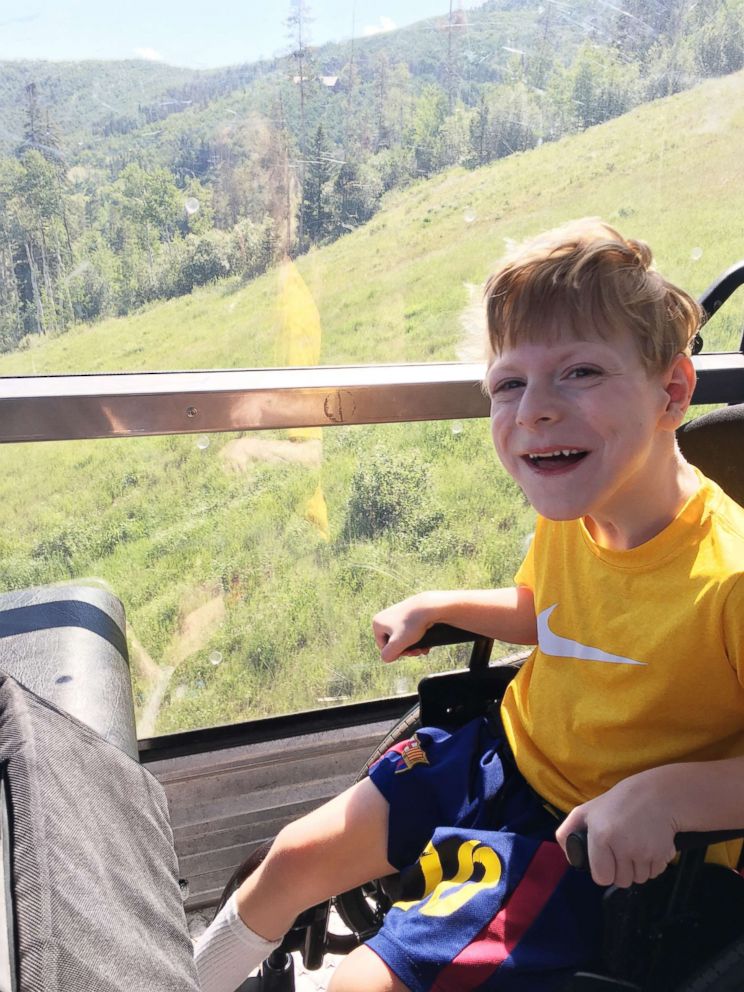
{"x": 316, "y": 193}
{"x": 40, "y": 132}
{"x": 32, "y": 128}
{"x": 298, "y": 23}
{"x": 282, "y": 191}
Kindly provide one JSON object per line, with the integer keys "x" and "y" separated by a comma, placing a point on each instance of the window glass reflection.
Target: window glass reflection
{"x": 250, "y": 565}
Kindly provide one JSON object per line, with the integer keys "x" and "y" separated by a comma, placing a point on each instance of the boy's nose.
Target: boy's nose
{"x": 537, "y": 405}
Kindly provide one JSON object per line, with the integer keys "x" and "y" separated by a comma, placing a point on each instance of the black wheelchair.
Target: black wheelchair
{"x": 681, "y": 932}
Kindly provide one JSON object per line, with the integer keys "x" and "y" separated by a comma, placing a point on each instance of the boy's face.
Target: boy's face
{"x": 579, "y": 425}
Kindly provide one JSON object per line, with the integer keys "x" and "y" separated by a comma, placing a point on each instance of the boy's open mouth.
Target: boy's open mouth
{"x": 552, "y": 461}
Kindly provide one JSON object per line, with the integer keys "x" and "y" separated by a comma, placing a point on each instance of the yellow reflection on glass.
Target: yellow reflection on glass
{"x": 300, "y": 340}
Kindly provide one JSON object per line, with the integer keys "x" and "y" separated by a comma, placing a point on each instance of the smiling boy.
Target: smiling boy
{"x": 628, "y": 717}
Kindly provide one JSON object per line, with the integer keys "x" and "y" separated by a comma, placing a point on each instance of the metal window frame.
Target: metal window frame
{"x": 140, "y": 404}
{"x": 118, "y": 405}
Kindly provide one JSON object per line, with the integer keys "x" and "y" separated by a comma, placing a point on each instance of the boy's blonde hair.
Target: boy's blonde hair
{"x": 585, "y": 278}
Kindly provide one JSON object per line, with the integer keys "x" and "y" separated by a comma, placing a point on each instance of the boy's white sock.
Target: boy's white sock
{"x": 228, "y": 951}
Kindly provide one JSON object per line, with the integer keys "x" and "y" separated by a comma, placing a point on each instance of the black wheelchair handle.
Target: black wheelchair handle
{"x": 577, "y": 844}
{"x": 443, "y": 633}
{"x": 719, "y": 291}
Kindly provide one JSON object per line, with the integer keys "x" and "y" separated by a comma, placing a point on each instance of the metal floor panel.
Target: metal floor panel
{"x": 225, "y": 803}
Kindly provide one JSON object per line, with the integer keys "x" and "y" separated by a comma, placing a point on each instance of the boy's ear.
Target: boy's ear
{"x": 679, "y": 385}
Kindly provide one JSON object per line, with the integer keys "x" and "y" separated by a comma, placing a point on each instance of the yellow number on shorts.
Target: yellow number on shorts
{"x": 445, "y": 896}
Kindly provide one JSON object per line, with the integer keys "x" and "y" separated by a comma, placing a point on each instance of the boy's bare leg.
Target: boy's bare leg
{"x": 364, "y": 971}
{"x": 334, "y": 848}
{"x": 338, "y": 846}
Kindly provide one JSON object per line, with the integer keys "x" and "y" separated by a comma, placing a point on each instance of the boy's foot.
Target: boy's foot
{"x": 228, "y": 951}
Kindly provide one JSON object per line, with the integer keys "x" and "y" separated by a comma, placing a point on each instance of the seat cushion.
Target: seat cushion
{"x": 95, "y": 904}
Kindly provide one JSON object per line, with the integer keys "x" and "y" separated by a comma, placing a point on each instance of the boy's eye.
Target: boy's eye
{"x": 506, "y": 386}
{"x": 582, "y": 372}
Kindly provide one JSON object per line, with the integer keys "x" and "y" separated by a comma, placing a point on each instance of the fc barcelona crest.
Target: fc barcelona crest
{"x": 412, "y": 754}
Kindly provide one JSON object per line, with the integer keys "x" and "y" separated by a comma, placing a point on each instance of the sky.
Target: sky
{"x": 199, "y": 35}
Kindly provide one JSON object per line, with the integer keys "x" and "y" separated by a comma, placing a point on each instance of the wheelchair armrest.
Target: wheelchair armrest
{"x": 443, "y": 633}
{"x": 577, "y": 850}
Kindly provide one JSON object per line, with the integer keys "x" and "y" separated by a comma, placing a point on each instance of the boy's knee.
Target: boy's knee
{"x": 336, "y": 847}
{"x": 364, "y": 971}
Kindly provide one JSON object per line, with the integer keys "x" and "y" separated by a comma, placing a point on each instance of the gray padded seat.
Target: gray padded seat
{"x": 89, "y": 892}
{"x": 68, "y": 645}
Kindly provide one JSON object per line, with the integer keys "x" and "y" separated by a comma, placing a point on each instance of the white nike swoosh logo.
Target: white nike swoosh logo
{"x": 562, "y": 647}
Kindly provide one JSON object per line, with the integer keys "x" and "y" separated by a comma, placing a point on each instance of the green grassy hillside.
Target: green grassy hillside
{"x": 669, "y": 172}
{"x": 249, "y": 566}
{"x": 82, "y": 96}
{"x": 134, "y": 183}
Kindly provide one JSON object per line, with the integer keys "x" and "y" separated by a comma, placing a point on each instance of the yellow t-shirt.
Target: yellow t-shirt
{"x": 640, "y": 660}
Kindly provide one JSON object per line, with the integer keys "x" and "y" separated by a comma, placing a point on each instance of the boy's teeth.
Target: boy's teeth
{"x": 556, "y": 454}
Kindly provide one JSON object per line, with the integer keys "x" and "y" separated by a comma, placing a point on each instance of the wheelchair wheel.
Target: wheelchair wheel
{"x": 363, "y": 909}
{"x": 724, "y": 974}
{"x": 404, "y": 728}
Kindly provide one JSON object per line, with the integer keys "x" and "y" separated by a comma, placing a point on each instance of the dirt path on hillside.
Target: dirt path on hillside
{"x": 241, "y": 452}
{"x": 194, "y": 632}
{"x": 199, "y": 622}
{"x": 204, "y": 609}
{"x": 148, "y": 715}
{"x": 147, "y": 670}
{"x": 472, "y": 344}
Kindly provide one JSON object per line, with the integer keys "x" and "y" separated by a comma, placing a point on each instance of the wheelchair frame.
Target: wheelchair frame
{"x": 648, "y": 928}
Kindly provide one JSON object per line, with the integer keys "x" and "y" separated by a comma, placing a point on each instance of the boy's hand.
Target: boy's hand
{"x": 399, "y": 626}
{"x": 630, "y": 832}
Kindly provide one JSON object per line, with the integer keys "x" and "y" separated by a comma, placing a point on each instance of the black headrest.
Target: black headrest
{"x": 715, "y": 443}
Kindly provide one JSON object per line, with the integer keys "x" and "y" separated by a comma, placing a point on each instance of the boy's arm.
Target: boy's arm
{"x": 504, "y": 614}
{"x": 631, "y": 827}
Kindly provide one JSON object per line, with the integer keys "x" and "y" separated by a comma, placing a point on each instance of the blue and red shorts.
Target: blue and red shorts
{"x": 488, "y": 901}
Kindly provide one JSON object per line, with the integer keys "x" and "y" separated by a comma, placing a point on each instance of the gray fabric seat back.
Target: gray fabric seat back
{"x": 93, "y": 903}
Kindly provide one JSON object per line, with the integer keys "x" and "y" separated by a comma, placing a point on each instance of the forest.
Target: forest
{"x": 126, "y": 183}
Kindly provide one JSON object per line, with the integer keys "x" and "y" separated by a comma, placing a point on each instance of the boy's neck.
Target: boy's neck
{"x": 642, "y": 519}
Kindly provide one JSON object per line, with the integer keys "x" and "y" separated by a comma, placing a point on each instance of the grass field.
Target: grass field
{"x": 249, "y": 565}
